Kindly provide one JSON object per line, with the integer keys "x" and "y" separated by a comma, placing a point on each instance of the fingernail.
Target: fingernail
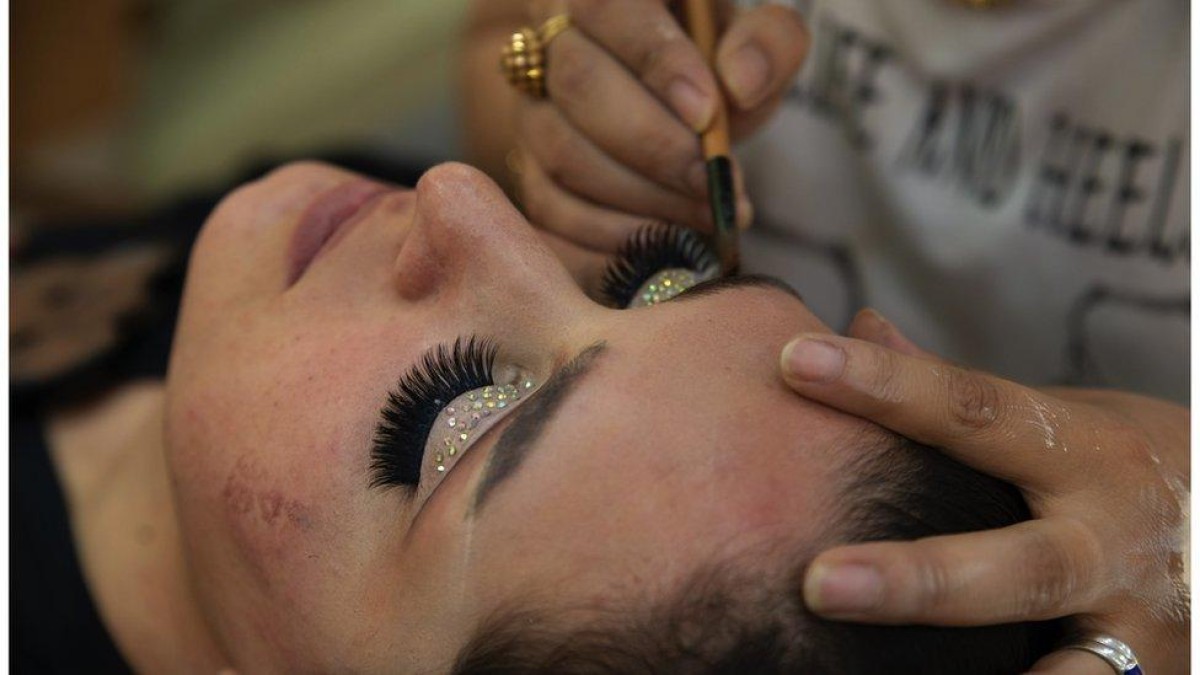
{"x": 746, "y": 73}
{"x": 692, "y": 106}
{"x": 813, "y": 360}
{"x": 884, "y": 325}
{"x": 879, "y": 325}
{"x": 842, "y": 589}
{"x": 697, "y": 179}
{"x": 889, "y": 336}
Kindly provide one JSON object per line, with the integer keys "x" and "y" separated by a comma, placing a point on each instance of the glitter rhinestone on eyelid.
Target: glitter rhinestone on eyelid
{"x": 460, "y": 430}
{"x": 665, "y": 285}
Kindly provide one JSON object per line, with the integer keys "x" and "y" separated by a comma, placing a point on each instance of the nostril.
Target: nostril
{"x": 418, "y": 270}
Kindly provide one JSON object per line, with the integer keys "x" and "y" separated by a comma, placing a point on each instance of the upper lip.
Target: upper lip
{"x": 324, "y": 218}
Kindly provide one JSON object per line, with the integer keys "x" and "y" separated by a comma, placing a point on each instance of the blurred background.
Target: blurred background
{"x": 119, "y": 105}
{"x": 130, "y": 119}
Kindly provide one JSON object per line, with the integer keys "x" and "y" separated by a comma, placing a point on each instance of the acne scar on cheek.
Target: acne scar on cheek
{"x": 247, "y": 494}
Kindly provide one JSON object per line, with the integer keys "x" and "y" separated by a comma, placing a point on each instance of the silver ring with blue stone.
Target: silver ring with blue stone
{"x": 1114, "y": 652}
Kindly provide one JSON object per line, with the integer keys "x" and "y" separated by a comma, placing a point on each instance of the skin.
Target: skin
{"x": 611, "y": 146}
{"x": 271, "y": 553}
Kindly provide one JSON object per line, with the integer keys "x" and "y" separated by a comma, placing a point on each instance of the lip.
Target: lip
{"x": 326, "y": 217}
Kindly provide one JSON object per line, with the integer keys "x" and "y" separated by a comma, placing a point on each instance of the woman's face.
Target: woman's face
{"x": 648, "y": 441}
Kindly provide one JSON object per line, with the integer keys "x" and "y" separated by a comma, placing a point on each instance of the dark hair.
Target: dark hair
{"x": 729, "y": 617}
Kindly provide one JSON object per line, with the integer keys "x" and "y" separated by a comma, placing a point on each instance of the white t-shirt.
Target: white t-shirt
{"x": 1009, "y": 186}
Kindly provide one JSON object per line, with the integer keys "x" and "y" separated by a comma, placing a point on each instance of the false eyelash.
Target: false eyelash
{"x": 443, "y": 374}
{"x": 650, "y": 250}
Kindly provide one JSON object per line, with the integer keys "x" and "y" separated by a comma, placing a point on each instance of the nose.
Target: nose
{"x": 469, "y": 242}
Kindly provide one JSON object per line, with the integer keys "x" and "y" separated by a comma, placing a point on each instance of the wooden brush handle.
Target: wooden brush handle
{"x": 702, "y": 26}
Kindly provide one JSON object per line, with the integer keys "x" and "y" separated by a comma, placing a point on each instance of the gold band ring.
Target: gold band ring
{"x": 523, "y": 59}
{"x": 552, "y": 27}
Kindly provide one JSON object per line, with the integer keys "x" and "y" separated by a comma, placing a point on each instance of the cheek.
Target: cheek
{"x": 269, "y": 451}
{"x": 273, "y": 521}
{"x": 241, "y": 496}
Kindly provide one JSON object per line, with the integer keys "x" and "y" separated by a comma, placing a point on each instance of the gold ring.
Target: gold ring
{"x": 552, "y": 27}
{"x": 523, "y": 59}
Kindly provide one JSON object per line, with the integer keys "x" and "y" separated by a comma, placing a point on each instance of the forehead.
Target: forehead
{"x": 682, "y": 441}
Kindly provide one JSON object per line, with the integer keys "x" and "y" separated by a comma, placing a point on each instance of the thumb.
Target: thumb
{"x": 761, "y": 53}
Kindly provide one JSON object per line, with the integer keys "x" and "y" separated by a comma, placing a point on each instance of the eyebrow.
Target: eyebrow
{"x": 529, "y": 421}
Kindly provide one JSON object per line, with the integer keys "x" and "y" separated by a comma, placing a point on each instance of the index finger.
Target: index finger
{"x": 994, "y": 425}
{"x": 645, "y": 37}
{"x": 1034, "y": 570}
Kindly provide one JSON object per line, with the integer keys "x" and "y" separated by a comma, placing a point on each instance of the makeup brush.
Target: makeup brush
{"x": 702, "y": 27}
